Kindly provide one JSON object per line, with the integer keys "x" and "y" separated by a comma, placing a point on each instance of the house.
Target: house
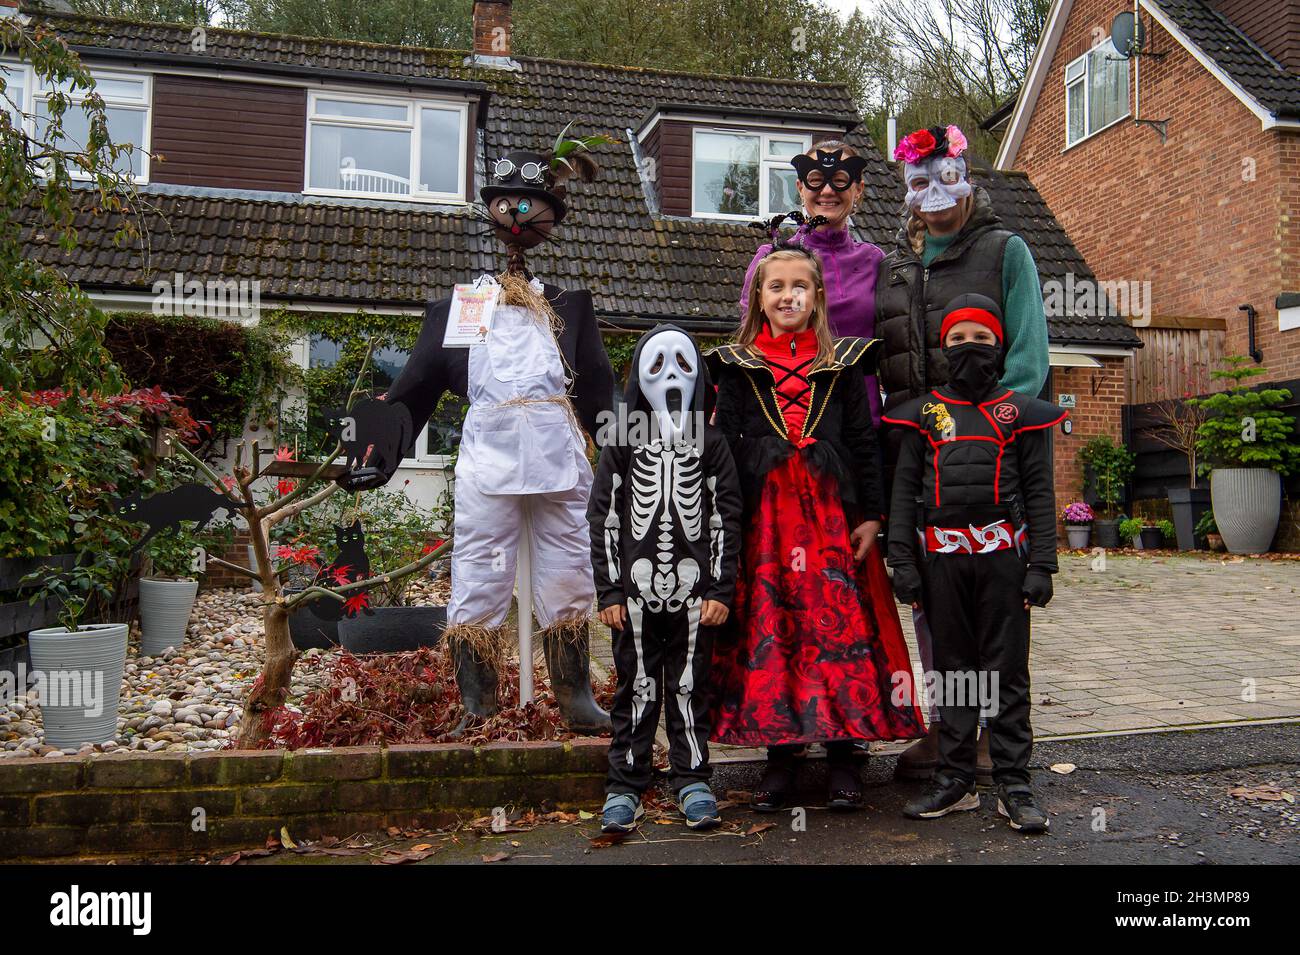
{"x": 1177, "y": 174}
{"x": 340, "y": 175}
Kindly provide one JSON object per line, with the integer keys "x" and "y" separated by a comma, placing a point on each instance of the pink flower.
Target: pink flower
{"x": 956, "y": 141}
{"x": 284, "y": 454}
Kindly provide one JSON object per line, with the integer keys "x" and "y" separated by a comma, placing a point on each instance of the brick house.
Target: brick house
{"x": 1203, "y": 202}
{"x": 341, "y": 175}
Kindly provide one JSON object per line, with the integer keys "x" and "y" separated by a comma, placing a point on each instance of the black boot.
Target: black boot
{"x": 477, "y": 680}
{"x": 773, "y": 790}
{"x": 844, "y": 776}
{"x": 569, "y": 665}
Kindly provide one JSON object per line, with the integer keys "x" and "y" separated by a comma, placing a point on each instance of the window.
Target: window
{"x": 744, "y": 175}
{"x": 126, "y": 106}
{"x": 17, "y": 81}
{"x": 1096, "y": 92}
{"x": 386, "y": 148}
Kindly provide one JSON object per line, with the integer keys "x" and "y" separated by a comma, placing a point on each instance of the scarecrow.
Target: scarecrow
{"x": 529, "y": 359}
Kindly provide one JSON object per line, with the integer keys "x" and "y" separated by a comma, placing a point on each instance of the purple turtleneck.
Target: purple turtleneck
{"x": 849, "y": 267}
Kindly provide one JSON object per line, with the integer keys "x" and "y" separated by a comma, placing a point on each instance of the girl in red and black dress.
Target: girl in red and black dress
{"x": 817, "y": 651}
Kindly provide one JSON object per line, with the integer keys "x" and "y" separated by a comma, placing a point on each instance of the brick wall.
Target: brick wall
{"x": 1186, "y": 215}
{"x": 145, "y": 803}
{"x": 1100, "y": 394}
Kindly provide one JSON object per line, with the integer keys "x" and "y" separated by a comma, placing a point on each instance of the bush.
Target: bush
{"x": 1245, "y": 428}
{"x": 1112, "y": 465}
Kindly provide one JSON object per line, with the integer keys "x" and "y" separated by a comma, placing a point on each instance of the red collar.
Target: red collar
{"x": 805, "y": 343}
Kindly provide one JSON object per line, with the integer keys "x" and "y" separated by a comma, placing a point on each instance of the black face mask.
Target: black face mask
{"x": 973, "y": 369}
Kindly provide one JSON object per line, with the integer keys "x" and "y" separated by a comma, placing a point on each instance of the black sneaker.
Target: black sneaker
{"x": 1016, "y": 802}
{"x": 942, "y": 797}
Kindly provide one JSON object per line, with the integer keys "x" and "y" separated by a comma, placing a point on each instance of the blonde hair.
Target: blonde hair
{"x": 754, "y": 318}
{"x": 916, "y": 228}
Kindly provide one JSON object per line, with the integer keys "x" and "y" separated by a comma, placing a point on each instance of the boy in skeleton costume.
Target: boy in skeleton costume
{"x": 522, "y": 451}
{"x": 665, "y": 534}
{"x": 972, "y": 539}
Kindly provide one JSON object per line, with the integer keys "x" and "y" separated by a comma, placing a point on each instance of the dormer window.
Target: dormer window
{"x": 738, "y": 174}
{"x": 379, "y": 147}
{"x": 1096, "y": 92}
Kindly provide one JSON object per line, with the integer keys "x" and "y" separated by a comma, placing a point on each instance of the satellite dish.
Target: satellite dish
{"x": 1126, "y": 39}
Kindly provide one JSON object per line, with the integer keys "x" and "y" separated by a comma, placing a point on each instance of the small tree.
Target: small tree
{"x": 1245, "y": 428}
{"x": 1112, "y": 465}
{"x": 1180, "y": 422}
{"x": 291, "y": 498}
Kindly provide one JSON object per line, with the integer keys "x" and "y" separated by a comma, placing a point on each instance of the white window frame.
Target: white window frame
{"x": 411, "y": 123}
{"x": 29, "y": 80}
{"x": 764, "y": 162}
{"x": 143, "y": 105}
{"x": 1083, "y": 79}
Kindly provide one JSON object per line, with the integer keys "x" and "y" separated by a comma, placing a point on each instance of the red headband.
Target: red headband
{"x": 980, "y": 315}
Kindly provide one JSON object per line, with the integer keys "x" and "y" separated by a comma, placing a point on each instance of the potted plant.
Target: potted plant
{"x": 80, "y": 665}
{"x": 1078, "y": 518}
{"x": 1168, "y": 534}
{"x": 168, "y": 591}
{"x": 1179, "y": 423}
{"x": 1209, "y": 531}
{"x": 1130, "y": 531}
{"x": 1106, "y": 468}
{"x": 1246, "y": 443}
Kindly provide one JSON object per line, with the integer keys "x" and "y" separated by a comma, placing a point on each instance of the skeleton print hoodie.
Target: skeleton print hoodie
{"x": 665, "y": 507}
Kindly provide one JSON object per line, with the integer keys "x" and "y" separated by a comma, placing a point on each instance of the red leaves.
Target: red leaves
{"x": 284, "y": 454}
{"x": 304, "y": 555}
{"x": 358, "y": 601}
{"x": 285, "y": 487}
{"x": 407, "y": 698}
{"x": 342, "y": 573}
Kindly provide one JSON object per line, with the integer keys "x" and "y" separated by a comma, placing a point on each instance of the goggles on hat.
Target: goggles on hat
{"x": 529, "y": 171}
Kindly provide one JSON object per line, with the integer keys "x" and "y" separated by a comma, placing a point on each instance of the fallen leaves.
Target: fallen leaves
{"x": 1267, "y": 793}
{"x": 1063, "y": 769}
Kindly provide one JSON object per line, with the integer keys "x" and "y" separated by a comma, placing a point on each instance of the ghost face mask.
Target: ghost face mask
{"x": 936, "y": 184}
{"x": 667, "y": 374}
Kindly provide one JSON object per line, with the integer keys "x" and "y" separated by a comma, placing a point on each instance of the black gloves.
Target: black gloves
{"x": 1037, "y": 587}
{"x": 907, "y": 584}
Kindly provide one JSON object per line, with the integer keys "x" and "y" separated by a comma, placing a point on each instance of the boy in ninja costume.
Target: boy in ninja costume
{"x": 522, "y": 451}
{"x": 665, "y": 538}
{"x": 972, "y": 539}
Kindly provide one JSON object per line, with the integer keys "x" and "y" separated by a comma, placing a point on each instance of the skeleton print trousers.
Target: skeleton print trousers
{"x": 661, "y": 658}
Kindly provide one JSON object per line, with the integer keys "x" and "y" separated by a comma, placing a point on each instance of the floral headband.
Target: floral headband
{"x": 932, "y": 143}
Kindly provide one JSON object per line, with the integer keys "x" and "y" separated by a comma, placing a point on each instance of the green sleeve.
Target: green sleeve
{"x": 1024, "y": 323}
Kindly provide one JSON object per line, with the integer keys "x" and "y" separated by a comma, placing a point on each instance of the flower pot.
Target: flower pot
{"x": 1151, "y": 538}
{"x": 82, "y": 675}
{"x": 1078, "y": 535}
{"x": 252, "y": 565}
{"x": 393, "y": 629}
{"x": 1247, "y": 505}
{"x": 1188, "y": 504}
{"x": 1105, "y": 534}
{"x": 310, "y": 632}
{"x": 165, "y": 607}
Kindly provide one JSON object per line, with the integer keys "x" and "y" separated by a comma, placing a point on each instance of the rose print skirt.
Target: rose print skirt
{"x": 816, "y": 652}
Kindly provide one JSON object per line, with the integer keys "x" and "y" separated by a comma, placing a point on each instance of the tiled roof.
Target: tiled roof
{"x": 1271, "y": 84}
{"x": 638, "y": 265}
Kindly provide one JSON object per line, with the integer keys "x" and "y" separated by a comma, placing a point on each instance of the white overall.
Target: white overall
{"x": 521, "y": 452}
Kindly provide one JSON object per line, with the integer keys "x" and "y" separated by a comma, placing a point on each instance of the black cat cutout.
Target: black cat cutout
{"x": 350, "y": 564}
{"x": 383, "y": 429}
{"x": 189, "y": 502}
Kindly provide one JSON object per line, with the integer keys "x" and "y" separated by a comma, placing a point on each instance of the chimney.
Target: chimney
{"x": 491, "y": 36}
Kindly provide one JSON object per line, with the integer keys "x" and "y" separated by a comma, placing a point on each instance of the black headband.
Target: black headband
{"x": 791, "y": 244}
{"x": 815, "y": 173}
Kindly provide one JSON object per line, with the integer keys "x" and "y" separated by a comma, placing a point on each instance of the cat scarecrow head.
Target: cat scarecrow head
{"x": 525, "y": 191}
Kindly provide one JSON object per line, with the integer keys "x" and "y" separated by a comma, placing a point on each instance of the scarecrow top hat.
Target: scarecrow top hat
{"x": 524, "y": 173}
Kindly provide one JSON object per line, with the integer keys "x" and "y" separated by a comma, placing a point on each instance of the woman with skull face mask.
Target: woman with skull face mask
{"x": 950, "y": 243}
{"x": 830, "y": 186}
{"x": 817, "y": 646}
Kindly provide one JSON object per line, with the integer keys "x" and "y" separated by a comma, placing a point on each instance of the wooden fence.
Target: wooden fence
{"x": 1176, "y": 358}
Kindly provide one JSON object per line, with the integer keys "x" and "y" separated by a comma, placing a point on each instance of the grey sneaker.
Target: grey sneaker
{"x": 622, "y": 812}
{"x": 942, "y": 797}
{"x": 699, "y": 806}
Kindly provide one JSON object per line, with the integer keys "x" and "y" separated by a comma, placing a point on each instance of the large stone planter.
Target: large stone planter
{"x": 393, "y": 629}
{"x": 1188, "y": 504}
{"x": 1247, "y": 505}
{"x": 310, "y": 632}
{"x": 77, "y": 668}
{"x": 165, "y": 607}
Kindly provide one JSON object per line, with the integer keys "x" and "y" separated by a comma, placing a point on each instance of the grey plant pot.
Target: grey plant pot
{"x": 1078, "y": 535}
{"x": 165, "y": 607}
{"x": 393, "y": 629}
{"x": 1247, "y": 505}
{"x": 253, "y": 566}
{"x": 92, "y": 659}
{"x": 1188, "y": 504}
{"x": 1105, "y": 534}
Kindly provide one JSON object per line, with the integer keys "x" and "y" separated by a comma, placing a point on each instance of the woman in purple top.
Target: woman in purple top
{"x": 830, "y": 185}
